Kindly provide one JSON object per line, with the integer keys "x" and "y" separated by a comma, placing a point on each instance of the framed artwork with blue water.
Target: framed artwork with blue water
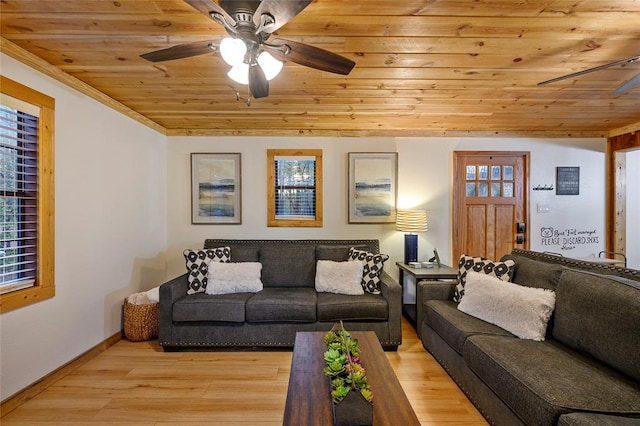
{"x": 216, "y": 192}
{"x": 373, "y": 181}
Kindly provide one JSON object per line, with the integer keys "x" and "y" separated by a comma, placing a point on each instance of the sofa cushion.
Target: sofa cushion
{"x": 542, "y": 380}
{"x": 288, "y": 265}
{"x": 502, "y": 270}
{"x": 198, "y": 265}
{"x": 591, "y": 419}
{"x": 282, "y": 305}
{"x": 339, "y": 277}
{"x": 336, "y": 253}
{"x": 373, "y": 265}
{"x": 367, "y": 307}
{"x": 239, "y": 277}
{"x": 599, "y": 315}
{"x": 205, "y": 307}
{"x": 523, "y": 311}
{"x": 245, "y": 254}
{"x": 454, "y": 326}
{"x": 533, "y": 273}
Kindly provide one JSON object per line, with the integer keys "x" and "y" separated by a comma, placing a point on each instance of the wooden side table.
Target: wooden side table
{"x": 429, "y": 274}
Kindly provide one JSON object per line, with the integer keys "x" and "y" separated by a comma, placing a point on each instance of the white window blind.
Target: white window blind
{"x": 18, "y": 194}
{"x": 295, "y": 187}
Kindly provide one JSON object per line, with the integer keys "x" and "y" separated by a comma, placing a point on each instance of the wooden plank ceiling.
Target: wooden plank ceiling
{"x": 423, "y": 67}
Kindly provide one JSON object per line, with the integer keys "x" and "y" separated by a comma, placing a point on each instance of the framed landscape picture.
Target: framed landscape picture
{"x": 373, "y": 178}
{"x": 215, "y": 188}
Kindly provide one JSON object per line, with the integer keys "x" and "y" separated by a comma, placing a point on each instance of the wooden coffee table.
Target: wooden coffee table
{"x": 308, "y": 396}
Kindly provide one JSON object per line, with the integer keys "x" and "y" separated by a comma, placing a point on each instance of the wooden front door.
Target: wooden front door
{"x": 490, "y": 203}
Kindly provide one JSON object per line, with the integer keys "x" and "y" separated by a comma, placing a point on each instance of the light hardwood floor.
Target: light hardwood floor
{"x": 138, "y": 384}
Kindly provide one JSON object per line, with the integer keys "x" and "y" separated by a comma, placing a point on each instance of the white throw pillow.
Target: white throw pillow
{"x": 339, "y": 277}
{"x": 240, "y": 277}
{"x": 523, "y": 311}
{"x": 502, "y": 270}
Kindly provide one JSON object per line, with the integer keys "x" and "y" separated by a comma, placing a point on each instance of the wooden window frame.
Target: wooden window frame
{"x": 272, "y": 221}
{"x": 44, "y": 287}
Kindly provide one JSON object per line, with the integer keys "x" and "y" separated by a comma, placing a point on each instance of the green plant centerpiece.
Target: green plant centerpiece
{"x": 343, "y": 366}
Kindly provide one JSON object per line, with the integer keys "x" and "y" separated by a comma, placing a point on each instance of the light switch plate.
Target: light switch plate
{"x": 543, "y": 208}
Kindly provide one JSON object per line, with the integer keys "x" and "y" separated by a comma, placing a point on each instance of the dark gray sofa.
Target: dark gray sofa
{"x": 586, "y": 371}
{"x": 287, "y": 304}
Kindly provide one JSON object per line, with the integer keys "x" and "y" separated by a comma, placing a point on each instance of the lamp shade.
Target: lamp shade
{"x": 411, "y": 220}
{"x": 270, "y": 65}
{"x": 233, "y": 50}
{"x": 239, "y": 73}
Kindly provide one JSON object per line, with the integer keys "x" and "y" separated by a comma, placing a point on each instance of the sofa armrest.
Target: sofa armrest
{"x": 170, "y": 292}
{"x": 431, "y": 290}
{"x": 392, "y": 292}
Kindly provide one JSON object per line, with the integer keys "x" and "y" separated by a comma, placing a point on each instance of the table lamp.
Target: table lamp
{"x": 411, "y": 221}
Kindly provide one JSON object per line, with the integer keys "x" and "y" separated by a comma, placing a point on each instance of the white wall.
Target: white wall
{"x": 110, "y": 232}
{"x": 426, "y": 175}
{"x": 424, "y": 181}
{"x": 633, "y": 208}
{"x": 182, "y": 234}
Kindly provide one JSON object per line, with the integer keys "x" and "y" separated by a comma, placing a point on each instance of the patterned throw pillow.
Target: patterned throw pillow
{"x": 198, "y": 265}
{"x": 501, "y": 270}
{"x": 372, "y": 268}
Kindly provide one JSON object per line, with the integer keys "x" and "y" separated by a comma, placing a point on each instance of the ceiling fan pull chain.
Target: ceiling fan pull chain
{"x": 239, "y": 98}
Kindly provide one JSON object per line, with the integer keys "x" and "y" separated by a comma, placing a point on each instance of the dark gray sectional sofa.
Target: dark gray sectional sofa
{"x": 288, "y": 302}
{"x": 585, "y": 372}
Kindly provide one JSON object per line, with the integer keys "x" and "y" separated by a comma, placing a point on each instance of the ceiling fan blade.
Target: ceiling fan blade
{"x": 180, "y": 51}
{"x": 209, "y": 6}
{"x": 627, "y": 85}
{"x": 282, "y": 12}
{"x": 587, "y": 71}
{"x": 309, "y": 56}
{"x": 258, "y": 83}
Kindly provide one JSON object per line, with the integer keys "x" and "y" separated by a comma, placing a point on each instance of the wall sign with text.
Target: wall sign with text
{"x": 569, "y": 239}
{"x": 567, "y": 180}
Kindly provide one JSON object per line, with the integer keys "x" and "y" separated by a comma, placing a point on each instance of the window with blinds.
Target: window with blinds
{"x": 295, "y": 188}
{"x": 18, "y": 198}
{"x": 26, "y": 196}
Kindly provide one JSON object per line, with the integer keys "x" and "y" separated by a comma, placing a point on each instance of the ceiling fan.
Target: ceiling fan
{"x": 254, "y": 61}
{"x": 627, "y": 85}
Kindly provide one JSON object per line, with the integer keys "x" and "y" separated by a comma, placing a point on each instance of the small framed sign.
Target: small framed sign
{"x": 567, "y": 180}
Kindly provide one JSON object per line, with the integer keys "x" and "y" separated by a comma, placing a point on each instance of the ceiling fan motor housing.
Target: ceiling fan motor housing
{"x": 242, "y": 11}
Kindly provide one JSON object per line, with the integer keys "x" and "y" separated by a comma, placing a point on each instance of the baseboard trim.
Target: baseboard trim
{"x": 28, "y": 393}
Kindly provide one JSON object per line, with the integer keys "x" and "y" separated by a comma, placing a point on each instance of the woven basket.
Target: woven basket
{"x": 141, "y": 321}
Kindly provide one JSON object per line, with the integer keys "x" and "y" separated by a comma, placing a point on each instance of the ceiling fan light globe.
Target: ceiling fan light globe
{"x": 233, "y": 50}
{"x": 239, "y": 73}
{"x": 270, "y": 65}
